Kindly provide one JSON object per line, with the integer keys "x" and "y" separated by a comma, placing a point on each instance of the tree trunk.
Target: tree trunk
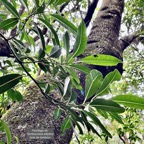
{"x": 36, "y": 111}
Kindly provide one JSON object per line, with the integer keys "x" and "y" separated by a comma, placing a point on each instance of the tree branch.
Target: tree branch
{"x": 132, "y": 38}
{"x": 90, "y": 11}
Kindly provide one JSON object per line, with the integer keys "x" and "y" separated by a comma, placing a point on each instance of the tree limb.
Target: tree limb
{"x": 132, "y": 38}
{"x": 90, "y": 11}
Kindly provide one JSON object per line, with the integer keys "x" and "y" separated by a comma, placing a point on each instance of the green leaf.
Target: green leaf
{"x": 129, "y": 100}
{"x": 40, "y": 34}
{"x": 44, "y": 66}
{"x": 102, "y": 113}
{"x": 8, "y": 23}
{"x": 93, "y": 82}
{"x": 64, "y": 22}
{"x": 116, "y": 117}
{"x": 40, "y": 9}
{"x": 9, "y": 81}
{"x": 50, "y": 2}
{"x": 66, "y": 124}
{"x": 36, "y": 2}
{"x": 97, "y": 122}
{"x": 107, "y": 105}
{"x": 10, "y": 7}
{"x": 87, "y": 124}
{"x": 66, "y": 40}
{"x": 59, "y": 2}
{"x": 79, "y": 127}
{"x": 73, "y": 74}
{"x": 15, "y": 95}
{"x": 101, "y": 60}
{"x": 47, "y": 89}
{"x": 57, "y": 113}
{"x": 24, "y": 2}
{"x": 81, "y": 68}
{"x": 66, "y": 85}
{"x": 81, "y": 40}
{"x": 56, "y": 51}
{"x": 7, "y": 131}
{"x": 109, "y": 78}
{"x": 49, "y": 26}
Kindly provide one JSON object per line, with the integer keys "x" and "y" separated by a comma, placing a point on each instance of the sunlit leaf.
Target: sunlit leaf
{"x": 93, "y": 82}
{"x": 107, "y": 105}
{"x": 129, "y": 100}
{"x": 8, "y": 23}
{"x": 10, "y": 7}
{"x": 73, "y": 74}
{"x": 109, "y": 78}
{"x": 101, "y": 60}
{"x": 81, "y": 40}
{"x": 64, "y": 22}
{"x": 116, "y": 117}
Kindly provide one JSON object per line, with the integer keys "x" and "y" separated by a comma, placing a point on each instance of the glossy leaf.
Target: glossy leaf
{"x": 40, "y": 34}
{"x": 73, "y": 74}
{"x": 93, "y": 82}
{"x": 129, "y": 100}
{"x": 107, "y": 105}
{"x": 81, "y": 40}
{"x": 9, "y": 81}
{"x": 66, "y": 40}
{"x": 49, "y": 26}
{"x": 8, "y": 23}
{"x": 109, "y": 78}
{"x": 101, "y": 60}
{"x": 66, "y": 85}
{"x": 64, "y": 22}
{"x": 81, "y": 68}
{"x": 66, "y": 124}
{"x": 11, "y": 8}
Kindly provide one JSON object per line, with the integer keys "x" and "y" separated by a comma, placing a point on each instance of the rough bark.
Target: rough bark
{"x": 104, "y": 36}
{"x": 36, "y": 111}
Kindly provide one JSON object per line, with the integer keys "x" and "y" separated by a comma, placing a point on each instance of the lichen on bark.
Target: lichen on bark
{"x": 35, "y": 112}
